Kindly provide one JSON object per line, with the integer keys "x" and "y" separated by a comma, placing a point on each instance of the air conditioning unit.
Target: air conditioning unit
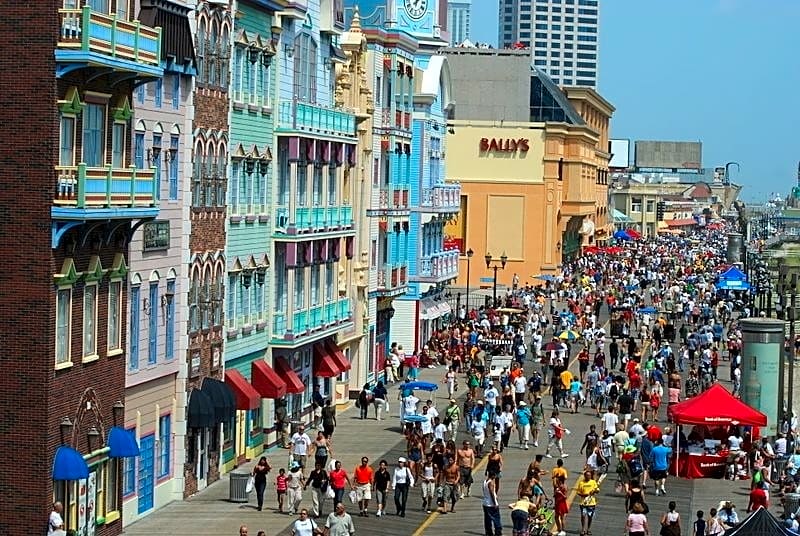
{"x": 219, "y": 3}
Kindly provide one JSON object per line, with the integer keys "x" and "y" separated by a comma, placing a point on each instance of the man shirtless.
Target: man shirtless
{"x": 449, "y": 479}
{"x": 465, "y": 457}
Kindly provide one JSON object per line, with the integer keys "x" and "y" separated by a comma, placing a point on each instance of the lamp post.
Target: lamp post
{"x": 470, "y": 253}
{"x": 489, "y": 260}
{"x": 791, "y": 315}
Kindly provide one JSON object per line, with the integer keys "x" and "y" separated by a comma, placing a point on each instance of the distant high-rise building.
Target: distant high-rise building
{"x": 562, "y": 33}
{"x": 458, "y": 14}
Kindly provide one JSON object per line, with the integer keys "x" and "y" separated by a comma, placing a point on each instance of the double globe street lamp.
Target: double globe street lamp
{"x": 491, "y": 263}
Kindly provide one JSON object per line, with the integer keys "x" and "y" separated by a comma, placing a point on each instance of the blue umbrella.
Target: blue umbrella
{"x": 545, "y": 277}
{"x": 622, "y": 235}
{"x": 648, "y": 310}
{"x": 631, "y": 287}
{"x": 422, "y": 386}
{"x": 415, "y": 418}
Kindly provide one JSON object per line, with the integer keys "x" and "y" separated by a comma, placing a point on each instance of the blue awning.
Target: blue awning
{"x": 122, "y": 443}
{"x": 68, "y": 464}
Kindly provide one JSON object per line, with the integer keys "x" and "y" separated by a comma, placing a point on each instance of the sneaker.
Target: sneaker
{"x": 462, "y": 496}
{"x": 378, "y": 513}
{"x": 657, "y": 492}
{"x": 548, "y": 455}
{"x": 663, "y": 490}
{"x": 565, "y": 454}
{"x": 535, "y": 443}
{"x": 526, "y": 447}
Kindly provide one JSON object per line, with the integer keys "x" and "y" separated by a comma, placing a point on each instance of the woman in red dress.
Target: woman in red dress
{"x": 561, "y": 506}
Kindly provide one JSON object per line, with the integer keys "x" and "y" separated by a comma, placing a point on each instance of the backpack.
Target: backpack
{"x": 635, "y": 466}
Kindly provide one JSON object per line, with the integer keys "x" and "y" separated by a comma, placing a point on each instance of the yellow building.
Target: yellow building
{"x": 534, "y": 191}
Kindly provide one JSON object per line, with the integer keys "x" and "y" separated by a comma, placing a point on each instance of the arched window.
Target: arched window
{"x": 205, "y": 297}
{"x": 210, "y": 175}
{"x": 213, "y": 44}
{"x": 194, "y": 299}
{"x": 224, "y": 55}
{"x": 201, "y": 50}
{"x": 222, "y": 170}
{"x": 197, "y": 175}
{"x": 218, "y": 291}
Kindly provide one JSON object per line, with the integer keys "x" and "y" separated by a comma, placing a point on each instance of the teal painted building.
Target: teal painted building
{"x": 432, "y": 202}
{"x": 249, "y": 242}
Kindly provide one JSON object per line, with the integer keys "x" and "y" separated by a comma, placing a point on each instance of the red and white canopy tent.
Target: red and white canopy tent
{"x": 715, "y": 406}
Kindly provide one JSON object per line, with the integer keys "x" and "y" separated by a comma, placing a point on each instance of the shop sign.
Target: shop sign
{"x": 155, "y": 235}
{"x": 504, "y": 145}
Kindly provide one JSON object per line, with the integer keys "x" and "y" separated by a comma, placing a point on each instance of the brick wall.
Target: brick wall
{"x": 207, "y": 235}
{"x": 27, "y": 95}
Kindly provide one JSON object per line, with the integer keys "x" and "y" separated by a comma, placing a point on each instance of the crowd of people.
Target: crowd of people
{"x": 669, "y": 328}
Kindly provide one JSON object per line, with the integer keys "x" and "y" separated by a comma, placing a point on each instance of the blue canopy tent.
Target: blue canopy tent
{"x": 733, "y": 279}
{"x": 622, "y": 235}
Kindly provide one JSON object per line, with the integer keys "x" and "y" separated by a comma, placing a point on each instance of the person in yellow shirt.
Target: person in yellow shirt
{"x": 587, "y": 489}
{"x": 566, "y": 380}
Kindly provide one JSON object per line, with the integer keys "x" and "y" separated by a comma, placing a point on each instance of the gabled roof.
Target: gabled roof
{"x": 759, "y": 523}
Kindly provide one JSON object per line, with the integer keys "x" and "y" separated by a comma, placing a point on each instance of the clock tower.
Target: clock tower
{"x": 420, "y": 18}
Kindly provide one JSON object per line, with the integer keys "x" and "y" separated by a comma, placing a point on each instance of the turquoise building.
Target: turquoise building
{"x": 249, "y": 224}
{"x": 431, "y": 202}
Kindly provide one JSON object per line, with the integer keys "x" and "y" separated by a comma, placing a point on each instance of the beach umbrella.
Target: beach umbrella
{"x": 419, "y": 386}
{"x": 622, "y": 235}
{"x": 569, "y": 335}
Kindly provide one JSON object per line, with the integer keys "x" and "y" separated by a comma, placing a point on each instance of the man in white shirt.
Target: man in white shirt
{"x": 520, "y": 384}
{"x": 609, "y": 421}
{"x": 300, "y": 443}
{"x": 491, "y": 394}
{"x": 780, "y": 446}
{"x": 637, "y": 430}
{"x": 56, "y": 522}
{"x": 409, "y": 405}
{"x": 427, "y": 424}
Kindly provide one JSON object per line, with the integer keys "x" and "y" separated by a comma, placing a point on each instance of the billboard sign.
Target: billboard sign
{"x": 620, "y": 153}
{"x": 668, "y": 154}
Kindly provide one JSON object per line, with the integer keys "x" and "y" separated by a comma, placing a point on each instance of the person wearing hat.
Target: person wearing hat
{"x": 402, "y": 481}
{"x": 523, "y": 418}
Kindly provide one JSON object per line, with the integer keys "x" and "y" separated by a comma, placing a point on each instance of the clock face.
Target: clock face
{"x": 416, "y": 8}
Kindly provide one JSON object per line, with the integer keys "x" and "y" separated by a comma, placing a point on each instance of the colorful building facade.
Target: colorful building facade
{"x": 249, "y": 224}
{"x": 81, "y": 201}
{"x": 158, "y": 282}
{"x": 313, "y": 224}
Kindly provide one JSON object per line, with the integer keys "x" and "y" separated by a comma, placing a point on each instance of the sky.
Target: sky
{"x": 724, "y": 72}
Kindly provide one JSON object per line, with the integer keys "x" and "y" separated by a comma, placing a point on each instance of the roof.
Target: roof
{"x": 176, "y": 33}
{"x": 561, "y": 100}
{"x": 759, "y": 523}
{"x": 733, "y": 273}
{"x": 620, "y": 217}
{"x": 715, "y": 407}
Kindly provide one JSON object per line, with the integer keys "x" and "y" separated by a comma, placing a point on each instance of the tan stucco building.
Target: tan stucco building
{"x": 536, "y": 191}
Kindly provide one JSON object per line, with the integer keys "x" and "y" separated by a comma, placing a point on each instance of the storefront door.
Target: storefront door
{"x": 146, "y": 486}
{"x": 201, "y": 455}
{"x": 241, "y": 435}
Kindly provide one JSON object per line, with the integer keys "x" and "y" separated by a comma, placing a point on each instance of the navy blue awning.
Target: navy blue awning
{"x": 68, "y": 464}
{"x": 221, "y": 397}
{"x": 200, "y": 413}
{"x": 122, "y": 443}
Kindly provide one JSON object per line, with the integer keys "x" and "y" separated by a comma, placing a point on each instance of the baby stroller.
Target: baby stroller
{"x": 539, "y": 524}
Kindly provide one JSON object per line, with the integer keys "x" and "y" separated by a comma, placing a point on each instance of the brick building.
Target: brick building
{"x": 77, "y": 201}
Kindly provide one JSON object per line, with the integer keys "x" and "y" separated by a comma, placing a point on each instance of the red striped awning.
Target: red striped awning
{"x": 324, "y": 365}
{"x": 685, "y": 222}
{"x": 338, "y": 356}
{"x": 246, "y": 395}
{"x": 293, "y": 383}
{"x": 266, "y": 381}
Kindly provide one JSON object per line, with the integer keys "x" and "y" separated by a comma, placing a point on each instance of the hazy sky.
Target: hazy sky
{"x": 725, "y": 72}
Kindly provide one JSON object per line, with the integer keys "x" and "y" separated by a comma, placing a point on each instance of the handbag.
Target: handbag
{"x": 329, "y": 493}
{"x": 251, "y": 484}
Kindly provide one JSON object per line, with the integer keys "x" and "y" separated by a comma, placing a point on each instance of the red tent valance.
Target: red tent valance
{"x": 715, "y": 407}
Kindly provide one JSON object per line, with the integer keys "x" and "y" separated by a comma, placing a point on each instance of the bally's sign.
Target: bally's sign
{"x": 504, "y": 145}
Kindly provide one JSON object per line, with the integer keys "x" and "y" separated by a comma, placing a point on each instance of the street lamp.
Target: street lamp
{"x": 470, "y": 253}
{"x": 489, "y": 260}
{"x": 727, "y": 175}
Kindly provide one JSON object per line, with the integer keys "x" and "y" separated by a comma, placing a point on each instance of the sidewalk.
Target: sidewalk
{"x": 210, "y": 513}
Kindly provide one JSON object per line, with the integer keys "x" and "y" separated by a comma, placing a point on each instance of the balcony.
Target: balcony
{"x": 311, "y": 323}
{"x": 316, "y": 219}
{"x": 392, "y": 201}
{"x": 102, "y": 193}
{"x": 438, "y": 267}
{"x": 392, "y": 280}
{"x": 445, "y": 198}
{"x": 90, "y": 39}
{"x": 302, "y": 117}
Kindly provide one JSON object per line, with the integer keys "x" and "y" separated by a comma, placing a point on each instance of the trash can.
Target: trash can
{"x": 791, "y": 502}
{"x": 238, "y": 491}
